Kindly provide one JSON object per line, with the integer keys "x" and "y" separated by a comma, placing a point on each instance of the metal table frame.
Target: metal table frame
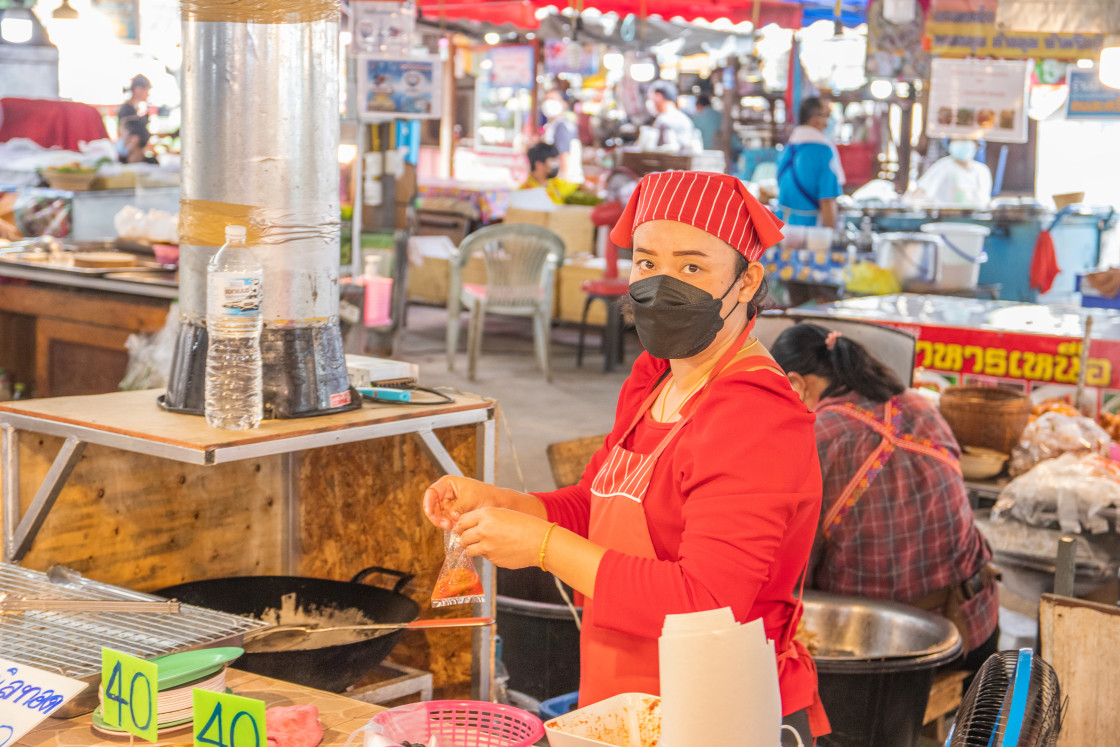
{"x": 20, "y": 532}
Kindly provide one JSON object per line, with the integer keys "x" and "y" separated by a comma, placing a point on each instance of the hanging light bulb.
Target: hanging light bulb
{"x": 65, "y": 12}
{"x": 1110, "y": 61}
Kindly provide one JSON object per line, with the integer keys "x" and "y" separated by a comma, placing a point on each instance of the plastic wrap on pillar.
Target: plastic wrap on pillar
{"x": 260, "y": 142}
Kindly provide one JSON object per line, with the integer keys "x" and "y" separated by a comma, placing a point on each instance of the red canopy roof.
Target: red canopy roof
{"x": 521, "y": 13}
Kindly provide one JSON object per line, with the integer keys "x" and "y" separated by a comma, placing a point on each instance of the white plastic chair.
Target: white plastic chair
{"x": 521, "y": 262}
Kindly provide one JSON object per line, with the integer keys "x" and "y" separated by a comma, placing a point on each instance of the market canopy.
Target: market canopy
{"x": 522, "y": 13}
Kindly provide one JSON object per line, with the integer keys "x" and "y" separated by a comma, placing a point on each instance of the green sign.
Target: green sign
{"x": 222, "y": 720}
{"x": 131, "y": 693}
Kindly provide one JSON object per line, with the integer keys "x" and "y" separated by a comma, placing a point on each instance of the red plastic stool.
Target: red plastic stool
{"x": 611, "y": 293}
{"x": 610, "y": 290}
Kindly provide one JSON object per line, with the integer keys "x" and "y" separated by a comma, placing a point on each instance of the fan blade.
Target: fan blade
{"x": 1019, "y": 688}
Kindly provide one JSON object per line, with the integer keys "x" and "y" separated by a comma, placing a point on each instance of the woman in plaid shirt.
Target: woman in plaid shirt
{"x": 895, "y": 518}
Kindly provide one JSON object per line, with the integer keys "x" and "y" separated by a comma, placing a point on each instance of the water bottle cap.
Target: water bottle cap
{"x": 235, "y": 232}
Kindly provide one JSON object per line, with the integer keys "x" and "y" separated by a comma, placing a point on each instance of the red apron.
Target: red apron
{"x": 892, "y": 438}
{"x": 612, "y": 662}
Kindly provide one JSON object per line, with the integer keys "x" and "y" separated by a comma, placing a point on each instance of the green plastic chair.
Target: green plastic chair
{"x": 521, "y": 263}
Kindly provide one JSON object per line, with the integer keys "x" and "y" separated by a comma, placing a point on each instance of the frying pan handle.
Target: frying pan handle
{"x": 402, "y": 578}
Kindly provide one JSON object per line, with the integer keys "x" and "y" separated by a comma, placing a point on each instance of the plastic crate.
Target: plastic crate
{"x": 559, "y": 705}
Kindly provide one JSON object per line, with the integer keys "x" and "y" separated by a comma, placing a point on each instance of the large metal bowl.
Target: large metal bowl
{"x": 853, "y": 634}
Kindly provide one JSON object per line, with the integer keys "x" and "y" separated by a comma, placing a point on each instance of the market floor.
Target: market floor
{"x": 532, "y": 412}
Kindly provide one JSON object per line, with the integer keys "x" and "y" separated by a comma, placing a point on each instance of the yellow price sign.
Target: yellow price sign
{"x": 224, "y": 720}
{"x": 131, "y": 692}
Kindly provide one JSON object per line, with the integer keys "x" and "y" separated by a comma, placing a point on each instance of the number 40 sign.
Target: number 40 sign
{"x": 222, "y": 720}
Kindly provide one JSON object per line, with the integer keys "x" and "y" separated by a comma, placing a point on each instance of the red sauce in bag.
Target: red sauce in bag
{"x": 459, "y": 582}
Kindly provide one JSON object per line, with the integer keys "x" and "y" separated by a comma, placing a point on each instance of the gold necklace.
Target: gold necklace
{"x": 687, "y": 396}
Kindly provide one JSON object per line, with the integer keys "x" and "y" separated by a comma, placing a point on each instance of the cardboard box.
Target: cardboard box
{"x": 571, "y": 222}
{"x": 429, "y": 281}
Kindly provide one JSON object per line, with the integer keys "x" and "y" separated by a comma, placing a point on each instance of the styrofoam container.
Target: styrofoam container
{"x": 962, "y": 254}
{"x": 608, "y": 723}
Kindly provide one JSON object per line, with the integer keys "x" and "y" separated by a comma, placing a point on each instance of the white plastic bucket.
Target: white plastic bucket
{"x": 962, "y": 253}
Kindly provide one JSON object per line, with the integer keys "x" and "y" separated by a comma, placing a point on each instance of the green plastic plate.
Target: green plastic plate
{"x": 187, "y": 666}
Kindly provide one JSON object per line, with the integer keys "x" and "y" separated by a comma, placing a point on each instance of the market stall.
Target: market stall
{"x": 166, "y": 499}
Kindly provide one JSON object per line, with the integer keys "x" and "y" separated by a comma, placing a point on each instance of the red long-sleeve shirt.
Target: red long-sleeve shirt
{"x": 732, "y": 508}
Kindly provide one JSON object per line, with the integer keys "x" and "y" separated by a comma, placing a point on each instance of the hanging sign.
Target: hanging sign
{"x": 224, "y": 720}
{"x": 967, "y": 28}
{"x": 979, "y": 99}
{"x": 131, "y": 694}
{"x": 511, "y": 66}
{"x": 406, "y": 88}
{"x": 1089, "y": 98}
{"x": 567, "y": 56}
{"x": 28, "y": 695}
{"x": 382, "y": 28}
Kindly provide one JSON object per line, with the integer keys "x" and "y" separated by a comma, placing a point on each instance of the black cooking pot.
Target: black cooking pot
{"x": 332, "y": 668}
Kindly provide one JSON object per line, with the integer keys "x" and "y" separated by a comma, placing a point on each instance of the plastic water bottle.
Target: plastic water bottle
{"x": 233, "y": 321}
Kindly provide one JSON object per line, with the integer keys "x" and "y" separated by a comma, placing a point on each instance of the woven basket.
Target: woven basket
{"x": 986, "y": 416}
{"x": 70, "y": 181}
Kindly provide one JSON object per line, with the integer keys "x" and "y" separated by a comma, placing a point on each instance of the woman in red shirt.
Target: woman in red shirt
{"x": 706, "y": 492}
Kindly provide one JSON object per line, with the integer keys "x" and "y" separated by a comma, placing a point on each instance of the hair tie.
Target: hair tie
{"x": 830, "y": 340}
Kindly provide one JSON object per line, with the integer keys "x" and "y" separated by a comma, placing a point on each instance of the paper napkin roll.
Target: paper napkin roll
{"x": 719, "y": 682}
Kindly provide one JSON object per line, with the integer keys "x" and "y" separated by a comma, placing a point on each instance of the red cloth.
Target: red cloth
{"x": 51, "y": 124}
{"x": 1044, "y": 263}
{"x": 716, "y": 203}
{"x": 522, "y": 13}
{"x": 293, "y": 726}
{"x": 911, "y": 532}
{"x": 731, "y": 509}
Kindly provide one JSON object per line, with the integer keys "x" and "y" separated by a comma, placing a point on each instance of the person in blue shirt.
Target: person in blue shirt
{"x": 810, "y": 176}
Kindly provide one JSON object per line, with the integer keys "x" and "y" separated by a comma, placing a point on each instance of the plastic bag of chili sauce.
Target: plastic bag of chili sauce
{"x": 458, "y": 581}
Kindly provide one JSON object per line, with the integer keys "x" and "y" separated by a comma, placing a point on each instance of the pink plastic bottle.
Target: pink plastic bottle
{"x": 379, "y": 293}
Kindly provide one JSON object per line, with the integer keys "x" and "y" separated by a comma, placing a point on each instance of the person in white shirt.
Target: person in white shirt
{"x": 956, "y": 179}
{"x": 675, "y": 128}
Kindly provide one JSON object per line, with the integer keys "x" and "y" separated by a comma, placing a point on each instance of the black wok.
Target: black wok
{"x": 332, "y": 668}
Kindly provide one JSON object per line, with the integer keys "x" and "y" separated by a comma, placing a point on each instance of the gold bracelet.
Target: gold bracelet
{"x": 544, "y": 546}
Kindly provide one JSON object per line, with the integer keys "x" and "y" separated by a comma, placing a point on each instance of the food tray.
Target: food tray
{"x": 63, "y": 262}
{"x": 166, "y": 277}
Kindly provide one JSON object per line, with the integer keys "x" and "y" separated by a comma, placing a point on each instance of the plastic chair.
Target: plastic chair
{"x": 521, "y": 262}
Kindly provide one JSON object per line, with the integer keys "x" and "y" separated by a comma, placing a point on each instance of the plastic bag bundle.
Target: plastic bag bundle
{"x": 458, "y": 581}
{"x": 1074, "y": 491}
{"x": 868, "y": 279}
{"x": 1055, "y": 433}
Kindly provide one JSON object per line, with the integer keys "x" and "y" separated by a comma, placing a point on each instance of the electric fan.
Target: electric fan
{"x": 1014, "y": 701}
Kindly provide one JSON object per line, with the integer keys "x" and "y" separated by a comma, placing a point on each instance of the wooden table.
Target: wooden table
{"x": 339, "y": 715}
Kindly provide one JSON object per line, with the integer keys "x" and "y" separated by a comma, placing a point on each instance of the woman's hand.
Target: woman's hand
{"x": 510, "y": 539}
{"x": 450, "y": 497}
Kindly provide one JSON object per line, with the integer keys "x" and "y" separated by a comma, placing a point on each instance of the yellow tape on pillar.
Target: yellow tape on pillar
{"x": 260, "y": 11}
{"x": 203, "y": 222}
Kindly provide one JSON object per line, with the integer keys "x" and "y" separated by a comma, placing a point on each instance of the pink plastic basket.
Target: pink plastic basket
{"x": 462, "y": 723}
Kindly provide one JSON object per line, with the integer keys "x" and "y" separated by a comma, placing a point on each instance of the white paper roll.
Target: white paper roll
{"x": 719, "y": 682}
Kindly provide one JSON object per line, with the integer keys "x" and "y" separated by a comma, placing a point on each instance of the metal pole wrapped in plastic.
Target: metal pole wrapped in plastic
{"x": 260, "y": 142}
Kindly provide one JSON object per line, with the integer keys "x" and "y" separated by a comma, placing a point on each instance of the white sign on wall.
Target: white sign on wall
{"x": 979, "y": 99}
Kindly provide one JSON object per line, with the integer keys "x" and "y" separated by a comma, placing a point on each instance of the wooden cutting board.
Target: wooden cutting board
{"x": 104, "y": 259}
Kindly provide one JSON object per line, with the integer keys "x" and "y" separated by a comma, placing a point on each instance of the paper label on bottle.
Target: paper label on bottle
{"x": 338, "y": 399}
{"x": 234, "y": 294}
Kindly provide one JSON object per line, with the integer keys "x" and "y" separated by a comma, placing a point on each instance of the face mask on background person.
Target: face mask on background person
{"x": 962, "y": 150}
{"x": 554, "y": 172}
{"x": 651, "y": 108}
{"x": 551, "y": 108}
{"x": 675, "y": 319}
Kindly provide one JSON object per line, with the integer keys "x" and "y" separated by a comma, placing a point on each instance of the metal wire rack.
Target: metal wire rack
{"x": 70, "y": 642}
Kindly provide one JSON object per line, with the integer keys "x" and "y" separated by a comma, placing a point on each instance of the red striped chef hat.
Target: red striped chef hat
{"x": 716, "y": 203}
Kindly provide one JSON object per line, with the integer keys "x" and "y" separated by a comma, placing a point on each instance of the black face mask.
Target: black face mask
{"x": 675, "y": 319}
{"x": 553, "y": 173}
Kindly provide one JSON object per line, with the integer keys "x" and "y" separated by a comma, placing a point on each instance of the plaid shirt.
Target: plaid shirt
{"x": 912, "y": 531}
